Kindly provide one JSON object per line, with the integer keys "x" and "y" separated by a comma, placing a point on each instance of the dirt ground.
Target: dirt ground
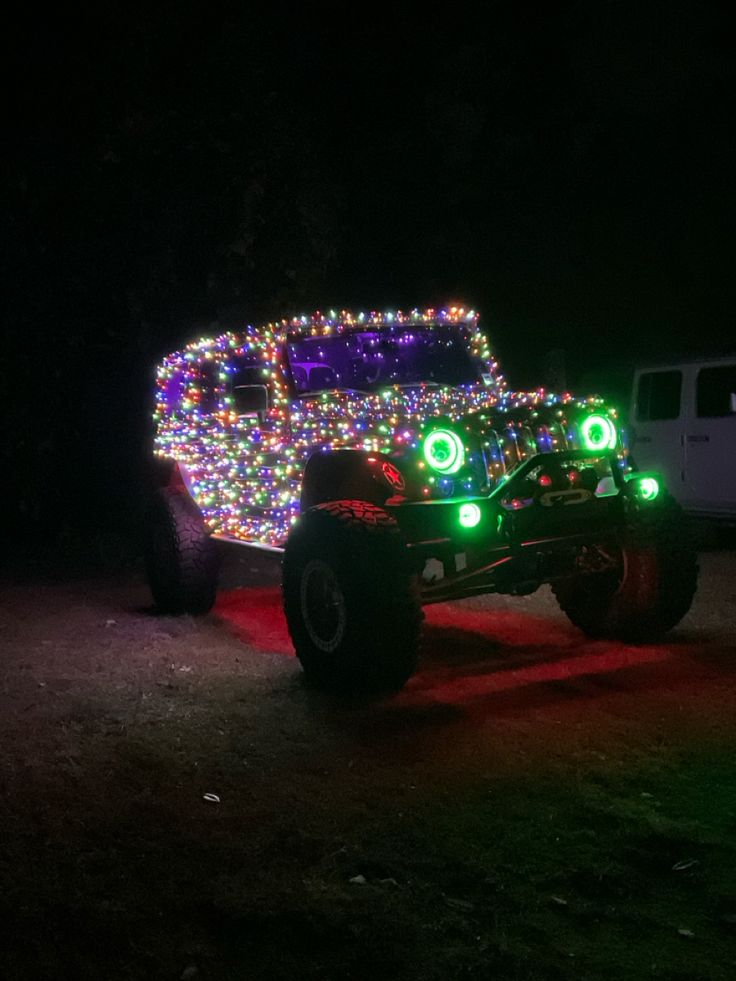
{"x": 533, "y": 805}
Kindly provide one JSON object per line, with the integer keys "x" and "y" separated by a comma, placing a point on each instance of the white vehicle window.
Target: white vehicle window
{"x": 716, "y": 391}
{"x": 658, "y": 395}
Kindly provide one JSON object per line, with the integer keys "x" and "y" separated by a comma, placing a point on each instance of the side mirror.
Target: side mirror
{"x": 250, "y": 400}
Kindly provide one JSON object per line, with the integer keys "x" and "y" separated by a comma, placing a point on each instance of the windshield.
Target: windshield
{"x": 368, "y": 360}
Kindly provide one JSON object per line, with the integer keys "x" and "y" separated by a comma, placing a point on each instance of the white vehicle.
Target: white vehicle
{"x": 683, "y": 424}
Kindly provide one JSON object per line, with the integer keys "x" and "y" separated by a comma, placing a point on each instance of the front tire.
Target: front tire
{"x": 649, "y": 592}
{"x": 351, "y": 599}
{"x": 181, "y": 559}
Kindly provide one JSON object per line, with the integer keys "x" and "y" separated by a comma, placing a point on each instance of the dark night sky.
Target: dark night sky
{"x": 569, "y": 172}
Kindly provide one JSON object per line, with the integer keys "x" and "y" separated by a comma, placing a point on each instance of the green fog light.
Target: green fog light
{"x": 598, "y": 433}
{"x": 469, "y": 515}
{"x": 647, "y": 488}
{"x": 444, "y": 451}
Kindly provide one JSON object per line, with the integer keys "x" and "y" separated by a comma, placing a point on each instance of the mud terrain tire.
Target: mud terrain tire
{"x": 351, "y": 598}
{"x": 181, "y": 558}
{"x": 652, "y": 592}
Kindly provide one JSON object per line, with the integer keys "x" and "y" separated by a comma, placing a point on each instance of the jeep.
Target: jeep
{"x": 387, "y": 459}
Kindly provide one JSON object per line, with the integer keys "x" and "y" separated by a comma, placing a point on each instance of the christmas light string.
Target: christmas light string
{"x": 245, "y": 471}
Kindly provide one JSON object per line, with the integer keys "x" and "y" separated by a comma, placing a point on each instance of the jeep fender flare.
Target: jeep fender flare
{"x": 359, "y": 475}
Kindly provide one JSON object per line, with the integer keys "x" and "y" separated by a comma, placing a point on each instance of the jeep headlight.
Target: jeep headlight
{"x": 598, "y": 433}
{"x": 444, "y": 451}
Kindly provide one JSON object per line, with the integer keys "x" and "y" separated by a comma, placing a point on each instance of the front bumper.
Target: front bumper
{"x": 527, "y": 532}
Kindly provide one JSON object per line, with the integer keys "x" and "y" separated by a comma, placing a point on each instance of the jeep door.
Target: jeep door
{"x": 658, "y": 425}
{"x": 710, "y": 440}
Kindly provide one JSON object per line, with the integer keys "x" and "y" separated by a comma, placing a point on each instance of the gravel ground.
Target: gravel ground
{"x": 176, "y": 803}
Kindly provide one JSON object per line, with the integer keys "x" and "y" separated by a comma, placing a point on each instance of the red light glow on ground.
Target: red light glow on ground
{"x": 485, "y": 663}
{"x": 256, "y": 617}
{"x": 468, "y": 654}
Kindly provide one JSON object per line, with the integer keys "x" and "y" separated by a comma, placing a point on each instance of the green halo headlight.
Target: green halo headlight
{"x": 469, "y": 515}
{"x": 598, "y": 433}
{"x": 647, "y": 488}
{"x": 444, "y": 451}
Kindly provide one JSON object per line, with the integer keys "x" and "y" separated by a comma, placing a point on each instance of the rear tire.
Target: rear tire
{"x": 181, "y": 559}
{"x": 351, "y": 599}
{"x": 651, "y": 592}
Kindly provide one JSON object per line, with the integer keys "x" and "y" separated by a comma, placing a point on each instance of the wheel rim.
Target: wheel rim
{"x": 323, "y": 606}
{"x": 616, "y": 571}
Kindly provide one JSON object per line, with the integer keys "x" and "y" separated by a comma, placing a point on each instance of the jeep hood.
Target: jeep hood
{"x": 519, "y": 424}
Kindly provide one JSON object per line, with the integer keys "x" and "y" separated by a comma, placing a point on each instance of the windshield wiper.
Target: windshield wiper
{"x": 329, "y": 391}
{"x": 415, "y": 385}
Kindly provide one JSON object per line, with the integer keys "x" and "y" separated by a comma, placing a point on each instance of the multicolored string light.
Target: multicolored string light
{"x": 245, "y": 472}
